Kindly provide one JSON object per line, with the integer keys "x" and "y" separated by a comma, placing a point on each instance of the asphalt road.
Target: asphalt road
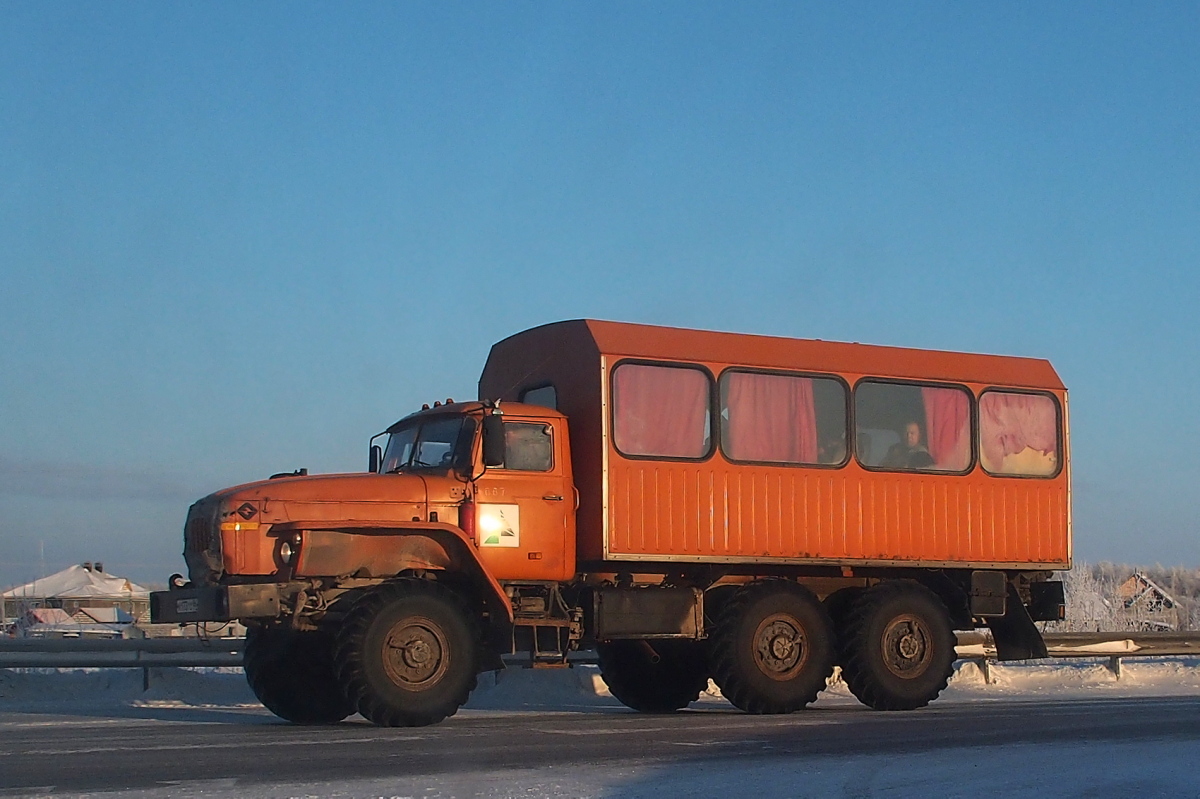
{"x": 161, "y": 749}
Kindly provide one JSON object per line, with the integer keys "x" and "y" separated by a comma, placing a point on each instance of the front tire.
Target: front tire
{"x": 407, "y": 653}
{"x": 637, "y": 680}
{"x": 292, "y": 674}
{"x": 898, "y": 650}
{"x": 772, "y": 649}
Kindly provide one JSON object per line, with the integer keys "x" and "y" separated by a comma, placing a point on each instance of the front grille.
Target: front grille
{"x": 198, "y": 536}
{"x": 202, "y": 543}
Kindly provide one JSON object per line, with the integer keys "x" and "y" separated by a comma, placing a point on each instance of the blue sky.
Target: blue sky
{"x": 239, "y": 239}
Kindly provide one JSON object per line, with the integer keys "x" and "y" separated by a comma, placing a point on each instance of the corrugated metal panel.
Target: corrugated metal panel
{"x": 687, "y": 510}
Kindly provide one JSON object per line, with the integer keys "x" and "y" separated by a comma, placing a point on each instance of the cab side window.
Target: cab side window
{"x": 528, "y": 447}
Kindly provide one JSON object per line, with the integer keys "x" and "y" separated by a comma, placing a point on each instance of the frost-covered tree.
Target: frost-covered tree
{"x": 1094, "y": 602}
{"x": 1089, "y": 608}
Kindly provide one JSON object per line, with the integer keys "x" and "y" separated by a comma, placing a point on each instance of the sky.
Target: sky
{"x": 241, "y": 239}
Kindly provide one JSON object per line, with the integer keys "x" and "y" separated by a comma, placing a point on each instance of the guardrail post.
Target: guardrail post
{"x": 1114, "y": 665}
{"x": 985, "y": 669}
{"x": 145, "y": 672}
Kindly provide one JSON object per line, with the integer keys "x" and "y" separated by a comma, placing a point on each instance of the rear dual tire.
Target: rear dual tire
{"x": 897, "y": 646}
{"x": 772, "y": 648}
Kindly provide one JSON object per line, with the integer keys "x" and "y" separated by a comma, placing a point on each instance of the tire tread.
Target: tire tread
{"x": 858, "y": 670}
{"x": 727, "y": 668}
{"x": 348, "y": 653}
{"x": 293, "y": 675}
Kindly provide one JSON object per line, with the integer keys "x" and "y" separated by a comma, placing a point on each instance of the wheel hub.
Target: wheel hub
{"x": 779, "y": 646}
{"x": 415, "y": 653}
{"x": 907, "y": 646}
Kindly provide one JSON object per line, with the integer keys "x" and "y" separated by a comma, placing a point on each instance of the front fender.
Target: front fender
{"x": 329, "y": 549}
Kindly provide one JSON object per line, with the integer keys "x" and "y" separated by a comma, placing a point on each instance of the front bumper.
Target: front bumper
{"x": 216, "y": 603}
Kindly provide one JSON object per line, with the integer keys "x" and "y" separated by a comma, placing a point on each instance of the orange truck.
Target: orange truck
{"x": 690, "y": 504}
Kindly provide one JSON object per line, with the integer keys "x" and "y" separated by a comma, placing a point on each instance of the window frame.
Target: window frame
{"x": 972, "y": 412}
{"x": 712, "y": 408}
{"x": 553, "y": 455}
{"x": 465, "y": 438}
{"x": 847, "y": 417}
{"x": 1059, "y": 434}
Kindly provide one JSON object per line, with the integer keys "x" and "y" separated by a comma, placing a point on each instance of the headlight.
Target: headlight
{"x": 285, "y": 552}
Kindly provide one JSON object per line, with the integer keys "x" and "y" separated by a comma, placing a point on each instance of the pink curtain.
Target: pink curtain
{"x": 948, "y": 427}
{"x": 1010, "y": 423}
{"x": 660, "y": 411}
{"x": 771, "y": 418}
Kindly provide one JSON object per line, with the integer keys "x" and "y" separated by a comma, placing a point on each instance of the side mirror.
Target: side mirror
{"x": 375, "y": 459}
{"x": 493, "y": 440}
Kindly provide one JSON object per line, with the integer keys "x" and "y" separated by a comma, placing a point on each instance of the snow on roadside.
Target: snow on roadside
{"x": 49, "y": 689}
{"x": 580, "y": 688}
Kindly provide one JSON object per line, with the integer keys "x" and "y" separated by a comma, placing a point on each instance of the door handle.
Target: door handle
{"x": 553, "y": 497}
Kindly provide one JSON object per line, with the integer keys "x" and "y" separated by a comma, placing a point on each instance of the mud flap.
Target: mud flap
{"x": 1015, "y": 634}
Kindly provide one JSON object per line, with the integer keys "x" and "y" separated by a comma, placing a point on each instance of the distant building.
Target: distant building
{"x": 1147, "y": 603}
{"x": 85, "y": 595}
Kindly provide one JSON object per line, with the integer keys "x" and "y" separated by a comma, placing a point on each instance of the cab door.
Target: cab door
{"x": 525, "y": 510}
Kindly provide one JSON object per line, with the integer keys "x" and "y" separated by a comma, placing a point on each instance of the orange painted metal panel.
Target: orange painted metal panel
{"x": 717, "y": 511}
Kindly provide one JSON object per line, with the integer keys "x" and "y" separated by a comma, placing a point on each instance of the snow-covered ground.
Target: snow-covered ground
{"x": 581, "y": 687}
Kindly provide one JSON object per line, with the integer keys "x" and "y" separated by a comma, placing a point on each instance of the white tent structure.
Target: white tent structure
{"x": 78, "y": 587}
{"x": 80, "y": 582}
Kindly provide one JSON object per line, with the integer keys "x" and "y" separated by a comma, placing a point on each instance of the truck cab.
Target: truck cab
{"x": 519, "y": 512}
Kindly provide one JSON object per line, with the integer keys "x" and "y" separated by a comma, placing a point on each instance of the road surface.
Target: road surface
{"x": 1075, "y": 747}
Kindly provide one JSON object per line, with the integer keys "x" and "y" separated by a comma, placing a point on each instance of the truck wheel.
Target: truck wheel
{"x": 407, "y": 653}
{"x": 292, "y": 674}
{"x": 898, "y": 651}
{"x": 662, "y": 677}
{"x": 772, "y": 649}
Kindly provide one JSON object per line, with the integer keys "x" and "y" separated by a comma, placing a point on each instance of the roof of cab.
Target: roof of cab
{"x": 626, "y": 340}
{"x": 506, "y": 408}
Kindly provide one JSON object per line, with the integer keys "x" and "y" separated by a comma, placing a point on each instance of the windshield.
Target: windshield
{"x": 432, "y": 443}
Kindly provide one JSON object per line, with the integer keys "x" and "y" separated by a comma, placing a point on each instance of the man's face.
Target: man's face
{"x": 912, "y": 434}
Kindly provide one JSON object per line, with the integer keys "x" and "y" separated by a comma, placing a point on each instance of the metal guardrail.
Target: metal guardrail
{"x": 973, "y": 645}
{"x": 1115, "y": 646}
{"x": 67, "y": 653}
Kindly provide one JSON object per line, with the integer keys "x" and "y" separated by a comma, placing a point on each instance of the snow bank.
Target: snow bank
{"x": 1078, "y": 677}
{"x": 50, "y": 689}
{"x": 579, "y": 688}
